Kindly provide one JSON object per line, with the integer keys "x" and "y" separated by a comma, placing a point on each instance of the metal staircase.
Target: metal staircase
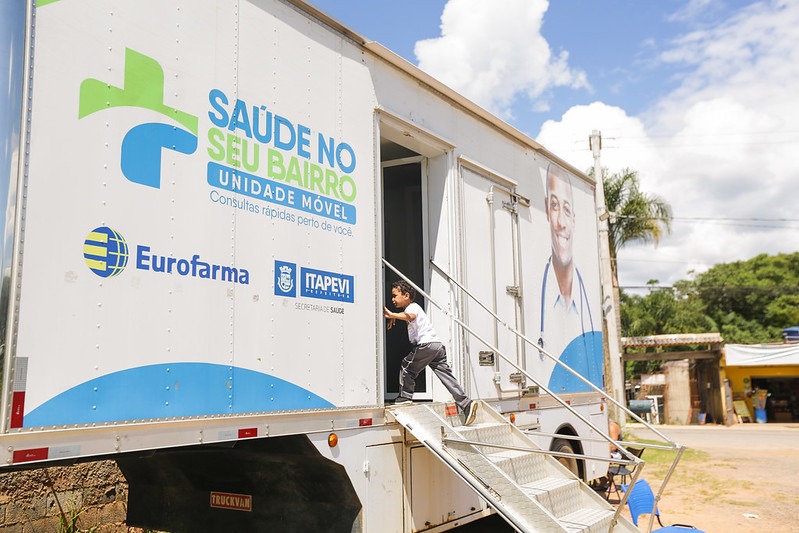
{"x": 528, "y": 487}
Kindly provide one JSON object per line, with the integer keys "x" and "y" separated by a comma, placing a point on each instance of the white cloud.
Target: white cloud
{"x": 721, "y": 145}
{"x": 568, "y": 139}
{"x": 693, "y": 9}
{"x": 496, "y": 56}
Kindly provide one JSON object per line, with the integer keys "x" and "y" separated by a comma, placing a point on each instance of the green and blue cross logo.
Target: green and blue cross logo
{"x": 141, "y": 147}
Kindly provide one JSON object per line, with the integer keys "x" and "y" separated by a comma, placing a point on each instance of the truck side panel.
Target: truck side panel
{"x": 473, "y": 171}
{"x": 200, "y": 219}
{"x": 460, "y": 235}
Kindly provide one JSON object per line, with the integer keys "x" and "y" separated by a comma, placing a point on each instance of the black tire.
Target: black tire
{"x": 564, "y": 446}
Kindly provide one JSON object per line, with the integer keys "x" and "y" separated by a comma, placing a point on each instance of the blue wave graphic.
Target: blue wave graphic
{"x": 583, "y": 354}
{"x": 172, "y": 390}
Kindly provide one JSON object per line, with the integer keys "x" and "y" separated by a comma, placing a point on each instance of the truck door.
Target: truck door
{"x": 492, "y": 263}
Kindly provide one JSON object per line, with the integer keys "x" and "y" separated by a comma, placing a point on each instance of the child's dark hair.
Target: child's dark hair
{"x": 404, "y": 287}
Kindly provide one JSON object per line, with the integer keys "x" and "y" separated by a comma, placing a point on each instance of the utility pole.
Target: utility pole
{"x": 610, "y": 310}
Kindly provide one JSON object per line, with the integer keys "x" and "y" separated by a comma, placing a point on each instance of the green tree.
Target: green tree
{"x": 753, "y": 300}
{"x": 662, "y": 311}
{"x": 634, "y": 214}
{"x": 748, "y": 302}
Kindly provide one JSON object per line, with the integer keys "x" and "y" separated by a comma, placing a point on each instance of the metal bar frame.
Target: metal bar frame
{"x": 630, "y": 458}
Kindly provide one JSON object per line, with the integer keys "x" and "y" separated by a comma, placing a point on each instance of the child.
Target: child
{"x": 427, "y": 350}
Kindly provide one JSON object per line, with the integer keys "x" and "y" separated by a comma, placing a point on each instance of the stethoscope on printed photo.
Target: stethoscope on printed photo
{"x": 582, "y": 302}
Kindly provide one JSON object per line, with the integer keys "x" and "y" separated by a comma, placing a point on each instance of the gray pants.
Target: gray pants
{"x": 434, "y": 355}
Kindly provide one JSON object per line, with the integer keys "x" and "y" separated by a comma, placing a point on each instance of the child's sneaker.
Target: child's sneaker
{"x": 472, "y": 414}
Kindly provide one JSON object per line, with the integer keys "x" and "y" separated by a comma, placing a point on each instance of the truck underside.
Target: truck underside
{"x": 272, "y": 484}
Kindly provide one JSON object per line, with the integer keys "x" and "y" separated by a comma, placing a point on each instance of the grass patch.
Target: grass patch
{"x": 690, "y": 471}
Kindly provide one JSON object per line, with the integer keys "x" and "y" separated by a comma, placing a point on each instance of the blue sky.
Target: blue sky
{"x": 701, "y": 97}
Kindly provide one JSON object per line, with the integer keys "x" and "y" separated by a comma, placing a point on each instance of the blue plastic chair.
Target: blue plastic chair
{"x": 642, "y": 499}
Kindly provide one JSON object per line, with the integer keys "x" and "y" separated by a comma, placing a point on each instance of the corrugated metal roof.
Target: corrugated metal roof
{"x": 677, "y": 339}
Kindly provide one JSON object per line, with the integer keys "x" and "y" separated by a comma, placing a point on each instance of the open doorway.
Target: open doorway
{"x": 403, "y": 247}
{"x": 782, "y": 403}
{"x": 415, "y": 168}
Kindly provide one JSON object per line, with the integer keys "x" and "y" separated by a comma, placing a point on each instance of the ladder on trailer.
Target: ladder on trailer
{"x": 528, "y": 487}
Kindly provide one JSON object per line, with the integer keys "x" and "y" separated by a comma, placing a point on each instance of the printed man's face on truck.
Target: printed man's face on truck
{"x": 560, "y": 214}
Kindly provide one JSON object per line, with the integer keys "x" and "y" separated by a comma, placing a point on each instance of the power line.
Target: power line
{"x": 746, "y": 138}
{"x": 745, "y": 219}
{"x": 751, "y": 219}
{"x": 762, "y": 288}
{"x": 700, "y": 135}
{"x": 726, "y": 144}
{"x": 746, "y": 222}
{"x": 742, "y": 224}
{"x": 676, "y": 262}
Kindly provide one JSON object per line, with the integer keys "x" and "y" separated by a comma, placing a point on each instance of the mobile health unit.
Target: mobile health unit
{"x": 206, "y": 204}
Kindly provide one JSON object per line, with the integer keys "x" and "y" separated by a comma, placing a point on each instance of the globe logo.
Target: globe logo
{"x": 105, "y": 252}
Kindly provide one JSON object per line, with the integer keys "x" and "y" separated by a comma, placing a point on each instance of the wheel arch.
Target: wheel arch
{"x": 567, "y": 430}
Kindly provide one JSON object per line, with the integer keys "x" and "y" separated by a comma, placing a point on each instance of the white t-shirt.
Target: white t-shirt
{"x": 420, "y": 330}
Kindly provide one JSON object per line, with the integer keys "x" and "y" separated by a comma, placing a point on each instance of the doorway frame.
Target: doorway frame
{"x": 425, "y": 144}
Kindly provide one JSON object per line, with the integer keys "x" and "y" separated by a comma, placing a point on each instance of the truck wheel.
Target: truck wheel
{"x": 564, "y": 446}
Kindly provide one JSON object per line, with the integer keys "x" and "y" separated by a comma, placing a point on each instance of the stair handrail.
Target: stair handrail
{"x": 533, "y": 450}
{"x": 619, "y": 444}
{"x": 556, "y": 360}
{"x": 488, "y": 344}
{"x": 635, "y": 460}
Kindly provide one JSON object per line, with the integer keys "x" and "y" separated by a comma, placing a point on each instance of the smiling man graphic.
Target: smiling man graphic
{"x": 567, "y": 327}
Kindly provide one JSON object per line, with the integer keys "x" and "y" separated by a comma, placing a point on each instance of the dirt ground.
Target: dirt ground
{"x": 733, "y": 481}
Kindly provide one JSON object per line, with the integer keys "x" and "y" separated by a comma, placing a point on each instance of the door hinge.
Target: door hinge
{"x": 513, "y": 290}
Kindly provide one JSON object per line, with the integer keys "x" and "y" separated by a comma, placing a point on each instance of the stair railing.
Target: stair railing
{"x": 636, "y": 462}
{"x": 628, "y": 458}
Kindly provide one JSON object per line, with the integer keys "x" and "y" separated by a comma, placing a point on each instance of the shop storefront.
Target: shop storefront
{"x": 765, "y": 377}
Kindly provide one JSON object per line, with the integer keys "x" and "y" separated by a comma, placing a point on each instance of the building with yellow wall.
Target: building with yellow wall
{"x": 770, "y": 367}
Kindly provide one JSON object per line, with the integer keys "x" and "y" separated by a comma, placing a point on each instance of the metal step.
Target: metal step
{"x": 531, "y": 490}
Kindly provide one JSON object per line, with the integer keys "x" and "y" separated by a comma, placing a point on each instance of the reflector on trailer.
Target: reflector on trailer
{"x": 34, "y": 454}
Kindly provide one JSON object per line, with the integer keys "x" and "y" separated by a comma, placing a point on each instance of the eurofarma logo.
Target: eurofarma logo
{"x": 141, "y": 147}
{"x": 313, "y": 283}
{"x": 106, "y": 254}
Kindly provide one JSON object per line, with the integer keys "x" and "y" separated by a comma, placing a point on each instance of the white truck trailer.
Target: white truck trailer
{"x": 206, "y": 204}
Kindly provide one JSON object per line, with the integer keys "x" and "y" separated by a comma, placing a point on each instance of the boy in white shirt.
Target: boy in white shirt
{"x": 427, "y": 350}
